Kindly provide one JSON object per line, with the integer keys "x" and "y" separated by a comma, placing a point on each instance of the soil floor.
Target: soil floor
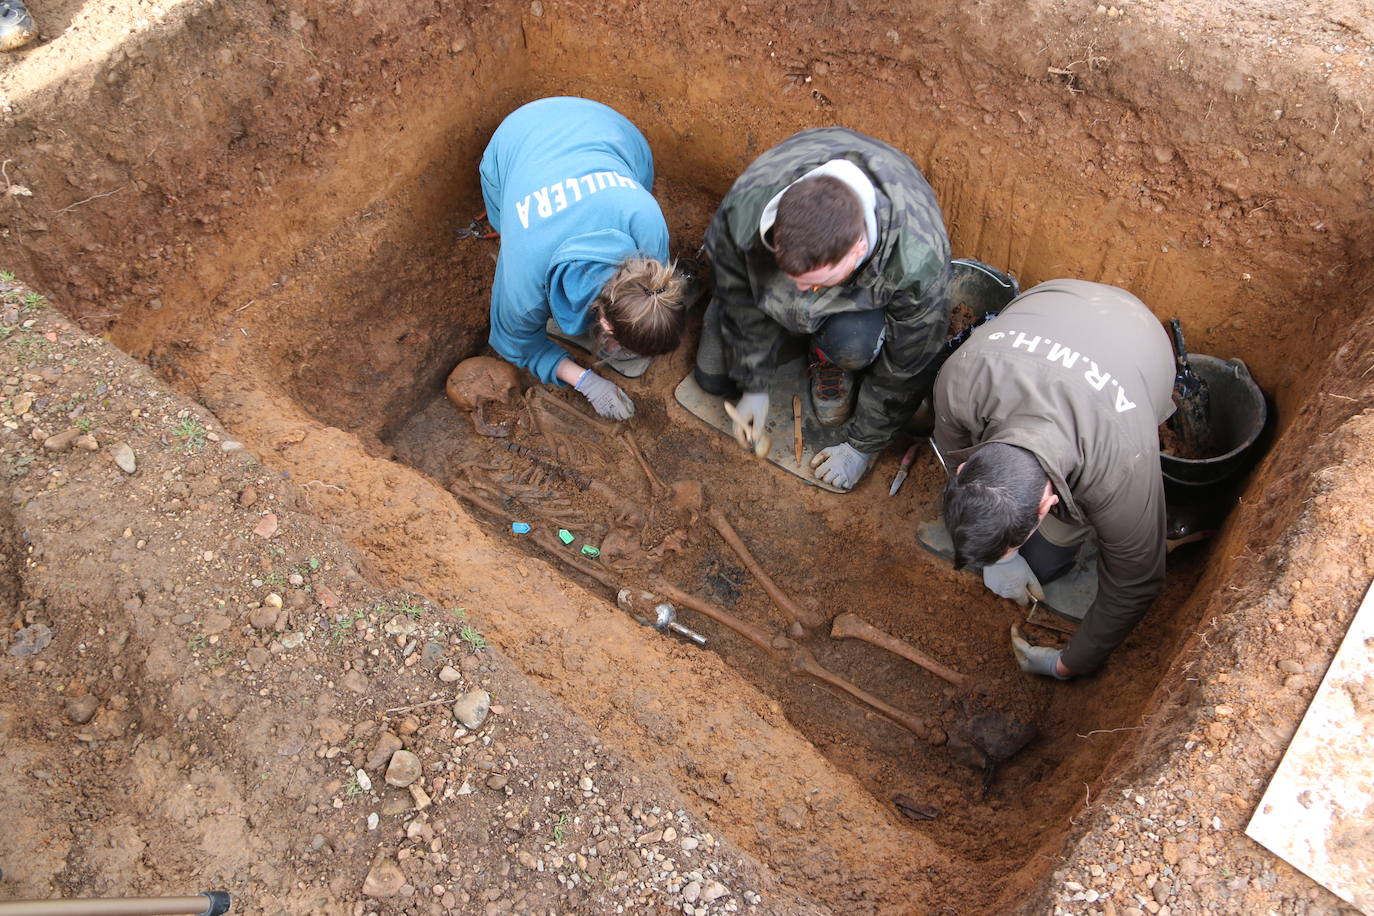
{"x": 252, "y": 553}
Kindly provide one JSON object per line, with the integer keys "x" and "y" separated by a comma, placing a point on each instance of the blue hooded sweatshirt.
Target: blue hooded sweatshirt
{"x": 567, "y": 183}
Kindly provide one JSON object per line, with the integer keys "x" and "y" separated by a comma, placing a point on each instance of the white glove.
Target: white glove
{"x": 1035, "y": 659}
{"x": 843, "y": 465}
{"x": 751, "y": 414}
{"x": 1011, "y": 577}
{"x": 606, "y": 397}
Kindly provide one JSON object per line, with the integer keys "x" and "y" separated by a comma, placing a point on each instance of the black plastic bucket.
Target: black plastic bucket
{"x": 981, "y": 287}
{"x": 1236, "y": 415}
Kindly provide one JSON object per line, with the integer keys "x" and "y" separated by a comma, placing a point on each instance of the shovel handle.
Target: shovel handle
{"x": 208, "y": 903}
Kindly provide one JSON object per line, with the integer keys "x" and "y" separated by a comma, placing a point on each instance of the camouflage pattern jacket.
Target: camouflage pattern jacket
{"x": 906, "y": 275}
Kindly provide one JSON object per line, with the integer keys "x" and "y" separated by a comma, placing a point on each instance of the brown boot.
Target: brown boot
{"x": 832, "y": 391}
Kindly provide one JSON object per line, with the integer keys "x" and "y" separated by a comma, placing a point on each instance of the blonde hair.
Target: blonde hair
{"x": 644, "y": 303}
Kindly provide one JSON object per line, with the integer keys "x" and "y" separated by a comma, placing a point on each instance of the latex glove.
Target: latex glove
{"x": 841, "y": 465}
{"x": 606, "y": 397}
{"x": 1035, "y": 659}
{"x": 750, "y": 416}
{"x": 1011, "y": 577}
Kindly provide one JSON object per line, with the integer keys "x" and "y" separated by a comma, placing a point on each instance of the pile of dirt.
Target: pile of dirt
{"x": 204, "y": 688}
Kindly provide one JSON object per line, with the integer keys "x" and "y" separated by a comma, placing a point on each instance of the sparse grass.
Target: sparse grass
{"x": 197, "y": 642}
{"x": 558, "y": 831}
{"x": 191, "y": 432}
{"x": 19, "y": 466}
{"x": 29, "y": 348}
{"x": 219, "y": 658}
{"x": 306, "y": 568}
{"x": 407, "y": 605}
{"x": 344, "y": 625}
{"x": 34, "y": 302}
{"x": 274, "y": 578}
{"x": 6, "y": 276}
{"x": 472, "y": 637}
{"x": 354, "y": 788}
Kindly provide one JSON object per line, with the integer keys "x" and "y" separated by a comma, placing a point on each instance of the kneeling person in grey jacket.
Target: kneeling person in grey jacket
{"x": 1052, "y": 411}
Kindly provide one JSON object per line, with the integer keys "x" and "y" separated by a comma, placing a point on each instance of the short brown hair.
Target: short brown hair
{"x": 819, "y": 219}
{"x": 644, "y": 304}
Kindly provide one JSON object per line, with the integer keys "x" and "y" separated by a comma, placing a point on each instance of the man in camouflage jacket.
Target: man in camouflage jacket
{"x": 880, "y": 305}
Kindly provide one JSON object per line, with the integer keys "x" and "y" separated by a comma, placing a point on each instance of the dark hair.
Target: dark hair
{"x": 644, "y": 302}
{"x": 819, "y": 219}
{"x": 993, "y": 503}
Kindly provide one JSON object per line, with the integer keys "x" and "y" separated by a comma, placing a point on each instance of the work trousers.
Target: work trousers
{"x": 850, "y": 340}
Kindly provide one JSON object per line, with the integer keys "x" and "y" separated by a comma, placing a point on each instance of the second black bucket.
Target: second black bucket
{"x": 1236, "y": 417}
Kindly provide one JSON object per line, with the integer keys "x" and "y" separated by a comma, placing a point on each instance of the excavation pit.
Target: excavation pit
{"x": 286, "y": 249}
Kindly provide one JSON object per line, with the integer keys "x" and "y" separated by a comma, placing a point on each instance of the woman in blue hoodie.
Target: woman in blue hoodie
{"x": 566, "y": 183}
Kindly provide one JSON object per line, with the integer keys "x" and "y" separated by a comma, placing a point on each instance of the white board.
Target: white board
{"x": 1317, "y": 813}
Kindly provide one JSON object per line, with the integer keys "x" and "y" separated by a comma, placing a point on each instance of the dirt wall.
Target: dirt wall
{"x": 261, "y": 202}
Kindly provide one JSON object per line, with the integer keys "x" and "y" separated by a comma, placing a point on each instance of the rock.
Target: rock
{"x": 1289, "y": 666}
{"x": 258, "y": 657}
{"x": 689, "y": 843}
{"x": 384, "y": 879}
{"x": 31, "y": 640}
{"x": 123, "y": 457}
{"x": 497, "y": 781}
{"x": 791, "y": 816}
{"x": 273, "y": 600}
{"x": 331, "y": 730}
{"x": 448, "y": 674}
{"x": 62, "y": 441}
{"x": 21, "y": 404}
{"x": 373, "y": 820}
{"x": 387, "y": 744}
{"x": 293, "y": 640}
{"x": 267, "y": 526}
{"x": 472, "y": 708}
{"x": 355, "y": 681}
{"x": 420, "y": 796}
{"x": 403, "y": 769}
{"x": 692, "y": 892}
{"x": 714, "y": 891}
{"x": 86, "y": 442}
{"x": 229, "y": 445}
{"x": 81, "y": 710}
{"x": 263, "y": 618}
{"x": 364, "y": 781}
{"x": 247, "y": 496}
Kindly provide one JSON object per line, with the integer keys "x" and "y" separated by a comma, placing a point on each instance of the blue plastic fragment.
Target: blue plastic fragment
{"x": 520, "y": 527}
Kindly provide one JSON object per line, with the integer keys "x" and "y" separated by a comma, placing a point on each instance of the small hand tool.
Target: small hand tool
{"x": 902, "y": 471}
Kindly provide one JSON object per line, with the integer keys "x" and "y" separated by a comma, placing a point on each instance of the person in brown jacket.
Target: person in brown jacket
{"x": 1051, "y": 412}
